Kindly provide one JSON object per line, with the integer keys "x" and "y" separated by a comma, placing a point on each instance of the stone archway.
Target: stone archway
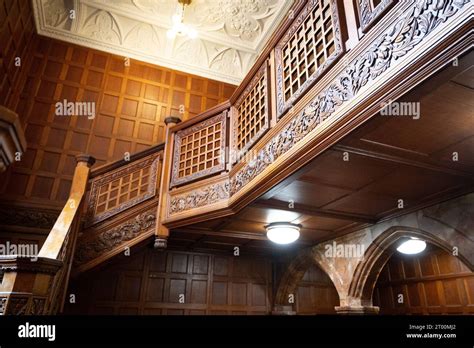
{"x": 291, "y": 278}
{"x": 289, "y": 281}
{"x": 380, "y": 250}
{"x": 449, "y": 224}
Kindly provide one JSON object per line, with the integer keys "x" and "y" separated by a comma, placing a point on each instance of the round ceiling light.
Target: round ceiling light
{"x": 283, "y": 232}
{"x": 412, "y": 246}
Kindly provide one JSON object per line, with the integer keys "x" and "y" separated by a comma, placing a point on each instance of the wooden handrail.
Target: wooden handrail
{"x": 56, "y": 238}
{"x": 36, "y": 284}
{"x": 120, "y": 210}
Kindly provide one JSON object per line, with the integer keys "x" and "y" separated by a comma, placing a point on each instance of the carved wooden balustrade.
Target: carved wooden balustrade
{"x": 36, "y": 284}
{"x": 120, "y": 209}
{"x": 328, "y": 68}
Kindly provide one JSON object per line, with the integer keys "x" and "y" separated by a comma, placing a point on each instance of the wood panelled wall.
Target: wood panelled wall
{"x": 432, "y": 283}
{"x": 151, "y": 282}
{"x": 131, "y": 100}
{"x": 316, "y": 293}
{"x": 16, "y": 37}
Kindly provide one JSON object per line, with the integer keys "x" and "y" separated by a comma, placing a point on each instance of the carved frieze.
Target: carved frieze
{"x": 17, "y": 305}
{"x": 199, "y": 197}
{"x": 18, "y": 216}
{"x": 108, "y": 239}
{"x": 400, "y": 38}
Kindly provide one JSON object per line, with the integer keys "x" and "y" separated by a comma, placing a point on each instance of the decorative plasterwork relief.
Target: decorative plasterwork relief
{"x": 400, "y": 38}
{"x": 240, "y": 19}
{"x": 231, "y": 33}
{"x": 199, "y": 197}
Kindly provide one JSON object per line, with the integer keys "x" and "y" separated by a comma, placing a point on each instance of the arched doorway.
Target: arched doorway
{"x": 379, "y": 252}
{"x": 432, "y": 282}
{"x": 315, "y": 293}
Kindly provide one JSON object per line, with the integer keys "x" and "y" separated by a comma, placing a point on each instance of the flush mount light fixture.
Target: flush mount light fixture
{"x": 179, "y": 28}
{"x": 283, "y": 232}
{"x": 412, "y": 246}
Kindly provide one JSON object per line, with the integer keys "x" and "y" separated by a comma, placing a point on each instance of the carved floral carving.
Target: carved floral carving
{"x": 57, "y": 13}
{"x": 400, "y": 38}
{"x": 29, "y": 218}
{"x": 231, "y": 32}
{"x": 200, "y": 197}
{"x": 108, "y": 239}
{"x": 237, "y": 18}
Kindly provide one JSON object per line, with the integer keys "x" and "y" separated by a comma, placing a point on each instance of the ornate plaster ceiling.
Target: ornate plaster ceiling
{"x": 231, "y": 32}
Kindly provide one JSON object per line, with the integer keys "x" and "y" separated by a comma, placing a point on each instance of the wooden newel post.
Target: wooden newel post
{"x": 36, "y": 283}
{"x": 162, "y": 232}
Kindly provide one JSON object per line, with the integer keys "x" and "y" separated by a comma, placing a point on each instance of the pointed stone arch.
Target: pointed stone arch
{"x": 379, "y": 252}
{"x": 292, "y": 276}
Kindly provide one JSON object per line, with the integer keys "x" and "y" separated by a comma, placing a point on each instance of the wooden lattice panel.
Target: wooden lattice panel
{"x": 121, "y": 189}
{"x": 250, "y": 117}
{"x": 199, "y": 150}
{"x": 309, "y": 47}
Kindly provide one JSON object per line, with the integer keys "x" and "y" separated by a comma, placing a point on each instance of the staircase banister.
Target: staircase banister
{"x": 201, "y": 117}
{"x": 56, "y": 238}
{"x": 108, "y": 167}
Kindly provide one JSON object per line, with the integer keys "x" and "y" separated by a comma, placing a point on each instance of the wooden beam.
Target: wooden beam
{"x": 424, "y": 164}
{"x": 309, "y": 210}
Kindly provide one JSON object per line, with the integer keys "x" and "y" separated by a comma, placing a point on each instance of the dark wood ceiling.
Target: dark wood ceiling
{"x": 390, "y": 158}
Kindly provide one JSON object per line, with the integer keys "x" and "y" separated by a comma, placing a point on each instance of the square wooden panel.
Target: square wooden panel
{"x": 251, "y": 113}
{"x": 122, "y": 189}
{"x": 371, "y": 10}
{"x": 306, "y": 51}
{"x": 199, "y": 150}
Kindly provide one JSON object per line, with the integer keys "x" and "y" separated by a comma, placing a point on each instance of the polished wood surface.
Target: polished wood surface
{"x": 17, "y": 31}
{"x": 131, "y": 105}
{"x": 360, "y": 180}
{"x": 433, "y": 282}
{"x": 152, "y": 282}
{"x": 36, "y": 284}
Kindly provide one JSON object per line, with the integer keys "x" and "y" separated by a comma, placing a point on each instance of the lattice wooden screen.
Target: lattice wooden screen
{"x": 122, "y": 188}
{"x": 251, "y": 116}
{"x": 311, "y": 44}
{"x": 199, "y": 150}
